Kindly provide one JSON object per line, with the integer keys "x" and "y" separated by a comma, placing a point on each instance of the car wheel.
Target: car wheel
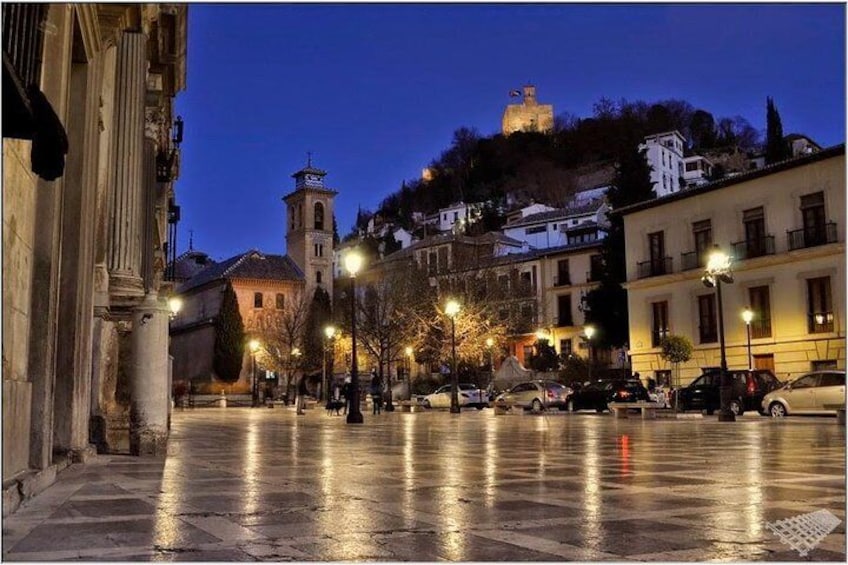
{"x": 536, "y": 406}
{"x": 480, "y": 406}
{"x": 600, "y": 409}
{"x": 710, "y": 411}
{"x": 777, "y": 410}
{"x": 427, "y": 404}
{"x": 569, "y": 407}
{"x": 736, "y": 407}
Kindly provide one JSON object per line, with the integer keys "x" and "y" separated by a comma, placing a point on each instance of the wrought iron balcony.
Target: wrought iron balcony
{"x": 751, "y": 248}
{"x": 593, "y": 276}
{"x": 691, "y": 260}
{"x": 654, "y": 267}
{"x": 22, "y": 44}
{"x": 811, "y": 236}
{"x": 564, "y": 280}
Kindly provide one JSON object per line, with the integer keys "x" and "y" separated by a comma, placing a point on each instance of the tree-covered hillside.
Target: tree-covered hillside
{"x": 550, "y": 167}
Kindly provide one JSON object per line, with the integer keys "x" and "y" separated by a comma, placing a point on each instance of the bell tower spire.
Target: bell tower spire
{"x": 309, "y": 226}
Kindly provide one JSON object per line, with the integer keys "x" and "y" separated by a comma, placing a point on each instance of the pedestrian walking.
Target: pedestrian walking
{"x": 376, "y": 391}
{"x": 347, "y": 393}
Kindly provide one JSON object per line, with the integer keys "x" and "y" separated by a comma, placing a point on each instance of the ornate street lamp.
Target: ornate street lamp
{"x": 353, "y": 263}
{"x": 175, "y": 304}
{"x": 717, "y": 272}
{"x": 329, "y": 332}
{"x": 408, "y": 373}
{"x": 489, "y": 344}
{"x": 748, "y": 316}
{"x": 589, "y": 331}
{"x": 451, "y": 310}
{"x": 254, "y": 346}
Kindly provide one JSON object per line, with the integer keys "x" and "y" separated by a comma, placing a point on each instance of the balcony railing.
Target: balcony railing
{"x": 564, "y": 321}
{"x": 751, "y": 248}
{"x": 593, "y": 276}
{"x": 654, "y": 267}
{"x": 760, "y": 328}
{"x": 811, "y": 236}
{"x": 820, "y": 322}
{"x": 691, "y": 260}
{"x": 22, "y": 45}
{"x": 564, "y": 280}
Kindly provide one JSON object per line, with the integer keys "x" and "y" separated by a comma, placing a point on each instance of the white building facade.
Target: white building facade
{"x": 665, "y": 155}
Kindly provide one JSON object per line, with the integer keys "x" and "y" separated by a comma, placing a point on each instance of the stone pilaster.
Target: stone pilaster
{"x": 126, "y": 207}
{"x": 149, "y": 378}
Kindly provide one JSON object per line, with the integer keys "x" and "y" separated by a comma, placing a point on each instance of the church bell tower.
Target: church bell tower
{"x": 309, "y": 228}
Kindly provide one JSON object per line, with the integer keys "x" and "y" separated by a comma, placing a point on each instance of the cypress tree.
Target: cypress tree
{"x": 776, "y": 147}
{"x": 228, "y": 354}
{"x": 317, "y": 318}
{"x": 607, "y": 304}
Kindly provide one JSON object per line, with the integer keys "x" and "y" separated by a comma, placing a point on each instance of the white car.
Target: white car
{"x": 537, "y": 395}
{"x": 467, "y": 394}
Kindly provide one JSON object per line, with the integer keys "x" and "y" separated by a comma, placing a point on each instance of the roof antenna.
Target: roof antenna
{"x": 191, "y": 240}
{"x": 309, "y": 158}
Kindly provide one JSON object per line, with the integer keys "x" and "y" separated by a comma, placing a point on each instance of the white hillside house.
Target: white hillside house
{"x": 665, "y": 155}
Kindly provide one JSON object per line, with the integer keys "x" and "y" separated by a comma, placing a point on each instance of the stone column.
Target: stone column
{"x": 149, "y": 378}
{"x": 125, "y": 236}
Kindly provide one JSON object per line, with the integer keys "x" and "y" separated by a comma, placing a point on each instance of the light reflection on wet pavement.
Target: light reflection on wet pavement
{"x": 244, "y": 484}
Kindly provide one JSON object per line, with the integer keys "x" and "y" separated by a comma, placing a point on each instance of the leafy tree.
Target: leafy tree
{"x": 776, "y": 147}
{"x": 702, "y": 130}
{"x": 676, "y": 349}
{"x": 228, "y": 353}
{"x": 607, "y": 304}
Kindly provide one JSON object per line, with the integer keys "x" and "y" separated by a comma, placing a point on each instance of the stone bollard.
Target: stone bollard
{"x": 223, "y": 400}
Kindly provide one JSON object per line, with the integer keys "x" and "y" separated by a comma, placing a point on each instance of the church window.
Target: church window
{"x": 281, "y": 301}
{"x": 257, "y": 300}
{"x": 319, "y": 216}
{"x": 319, "y": 249}
{"x": 300, "y": 215}
{"x": 318, "y": 277}
{"x": 291, "y": 218}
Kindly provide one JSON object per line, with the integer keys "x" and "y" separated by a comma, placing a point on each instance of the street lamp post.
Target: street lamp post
{"x": 748, "y": 316}
{"x": 589, "y": 331}
{"x": 452, "y": 309}
{"x": 489, "y": 343}
{"x": 717, "y": 272}
{"x": 329, "y": 332}
{"x": 408, "y": 373}
{"x": 254, "y": 345}
{"x": 353, "y": 263}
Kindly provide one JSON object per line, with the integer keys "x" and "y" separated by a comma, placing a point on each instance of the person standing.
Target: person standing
{"x": 301, "y": 395}
{"x": 376, "y": 393}
{"x": 346, "y": 393}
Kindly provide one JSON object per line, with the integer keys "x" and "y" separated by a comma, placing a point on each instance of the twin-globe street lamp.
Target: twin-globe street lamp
{"x": 254, "y": 396}
{"x": 451, "y": 310}
{"x": 748, "y": 316}
{"x": 717, "y": 272}
{"x": 353, "y": 263}
{"x": 329, "y": 332}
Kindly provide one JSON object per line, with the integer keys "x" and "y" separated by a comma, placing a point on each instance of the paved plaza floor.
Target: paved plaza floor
{"x": 243, "y": 484}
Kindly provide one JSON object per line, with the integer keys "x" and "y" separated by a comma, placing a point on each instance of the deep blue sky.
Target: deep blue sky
{"x": 376, "y": 91}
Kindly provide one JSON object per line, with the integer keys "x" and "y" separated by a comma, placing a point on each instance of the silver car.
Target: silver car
{"x": 808, "y": 394}
{"x": 536, "y": 395}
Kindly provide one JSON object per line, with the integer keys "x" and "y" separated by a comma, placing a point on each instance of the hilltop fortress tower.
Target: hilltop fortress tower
{"x": 529, "y": 115}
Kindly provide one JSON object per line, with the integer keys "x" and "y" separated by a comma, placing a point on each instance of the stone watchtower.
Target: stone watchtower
{"x": 529, "y": 115}
{"x": 309, "y": 228}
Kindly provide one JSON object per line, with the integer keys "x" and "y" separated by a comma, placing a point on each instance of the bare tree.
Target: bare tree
{"x": 280, "y": 333}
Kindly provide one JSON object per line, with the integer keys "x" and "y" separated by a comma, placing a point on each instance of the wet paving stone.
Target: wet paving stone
{"x": 241, "y": 484}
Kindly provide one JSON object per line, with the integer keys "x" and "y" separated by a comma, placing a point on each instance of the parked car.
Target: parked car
{"x": 468, "y": 395}
{"x": 598, "y": 394}
{"x": 747, "y": 391}
{"x": 808, "y": 394}
{"x": 536, "y": 395}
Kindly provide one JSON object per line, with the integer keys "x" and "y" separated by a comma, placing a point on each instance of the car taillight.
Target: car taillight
{"x": 550, "y": 393}
{"x": 623, "y": 393}
{"x": 751, "y": 386}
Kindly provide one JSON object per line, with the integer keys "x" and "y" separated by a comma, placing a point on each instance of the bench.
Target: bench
{"x": 501, "y": 408}
{"x": 647, "y": 409}
{"x": 408, "y": 406}
{"x": 840, "y": 411}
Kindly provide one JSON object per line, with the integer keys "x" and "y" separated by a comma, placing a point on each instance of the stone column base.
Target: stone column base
{"x": 149, "y": 443}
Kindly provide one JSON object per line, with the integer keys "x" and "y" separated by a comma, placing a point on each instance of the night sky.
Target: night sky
{"x": 376, "y": 91}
